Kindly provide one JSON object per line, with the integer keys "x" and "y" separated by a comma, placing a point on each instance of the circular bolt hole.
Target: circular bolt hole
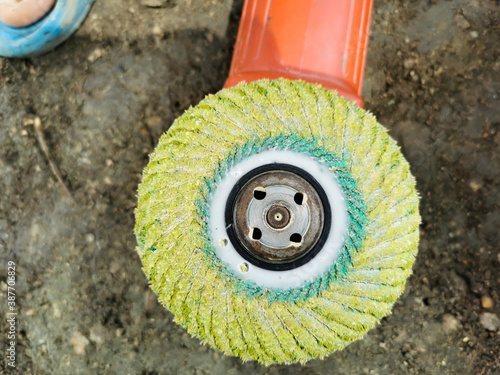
{"x": 299, "y": 198}
{"x": 256, "y": 234}
{"x": 244, "y": 267}
{"x": 259, "y": 193}
{"x": 296, "y": 238}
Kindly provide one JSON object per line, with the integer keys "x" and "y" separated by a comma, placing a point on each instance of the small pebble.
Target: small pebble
{"x": 157, "y": 30}
{"x": 89, "y": 238}
{"x": 56, "y": 311}
{"x": 489, "y": 321}
{"x": 95, "y": 54}
{"x": 28, "y": 121}
{"x": 462, "y": 22}
{"x": 409, "y": 63}
{"x": 97, "y": 333}
{"x": 487, "y": 302}
{"x": 475, "y": 186}
{"x": 153, "y": 120}
{"x": 154, "y": 3}
{"x": 450, "y": 323}
{"x": 474, "y": 34}
{"x": 114, "y": 267}
{"x": 79, "y": 343}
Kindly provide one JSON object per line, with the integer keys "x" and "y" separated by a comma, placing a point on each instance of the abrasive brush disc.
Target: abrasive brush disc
{"x": 277, "y": 221}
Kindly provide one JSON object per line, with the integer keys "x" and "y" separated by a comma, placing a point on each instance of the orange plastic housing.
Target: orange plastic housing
{"x": 319, "y": 41}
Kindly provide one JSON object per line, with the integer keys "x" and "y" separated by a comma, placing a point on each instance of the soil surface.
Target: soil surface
{"x": 101, "y": 102}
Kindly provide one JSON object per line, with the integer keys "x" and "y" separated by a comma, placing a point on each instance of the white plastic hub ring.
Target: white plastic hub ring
{"x": 272, "y": 279}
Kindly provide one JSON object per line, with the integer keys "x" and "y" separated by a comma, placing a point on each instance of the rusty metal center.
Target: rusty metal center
{"x": 278, "y": 216}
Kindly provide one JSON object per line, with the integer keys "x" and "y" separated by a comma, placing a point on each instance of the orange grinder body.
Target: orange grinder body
{"x": 318, "y": 41}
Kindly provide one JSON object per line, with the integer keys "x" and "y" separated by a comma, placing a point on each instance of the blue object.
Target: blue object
{"x": 57, "y": 26}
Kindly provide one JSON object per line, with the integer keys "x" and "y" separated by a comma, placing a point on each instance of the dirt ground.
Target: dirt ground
{"x": 105, "y": 97}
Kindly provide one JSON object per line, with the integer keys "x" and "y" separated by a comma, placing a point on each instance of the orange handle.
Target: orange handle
{"x": 319, "y": 41}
